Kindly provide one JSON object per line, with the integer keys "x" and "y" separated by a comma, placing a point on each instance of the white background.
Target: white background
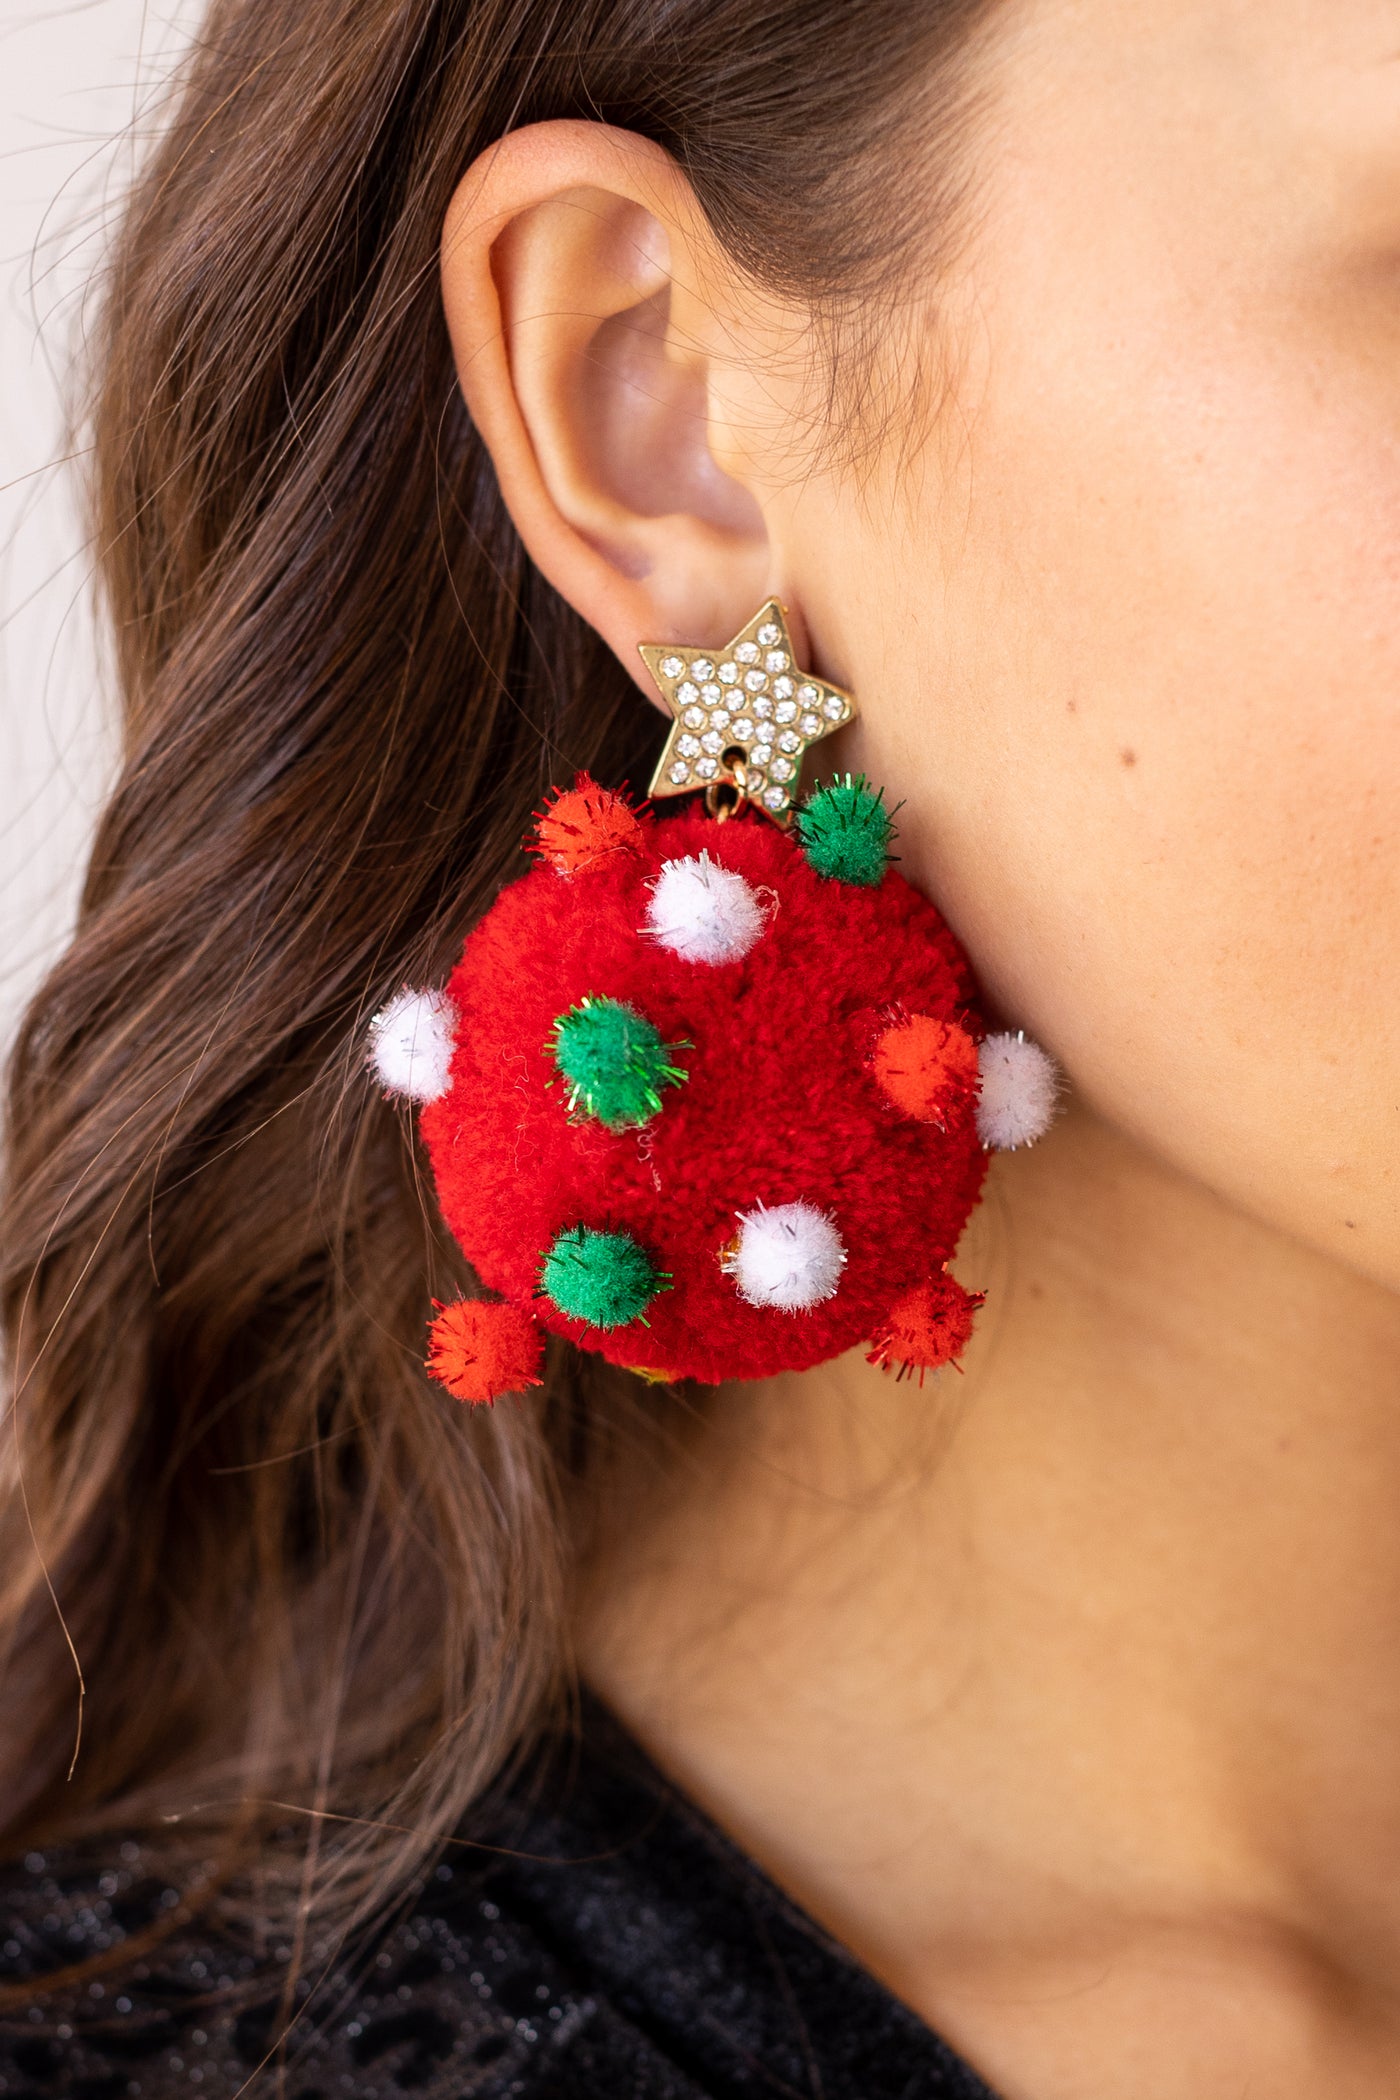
{"x": 77, "y": 81}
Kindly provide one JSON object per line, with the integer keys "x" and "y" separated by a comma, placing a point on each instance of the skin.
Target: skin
{"x": 1067, "y": 1693}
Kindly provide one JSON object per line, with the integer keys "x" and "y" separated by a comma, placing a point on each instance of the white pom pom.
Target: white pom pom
{"x": 1020, "y": 1086}
{"x": 790, "y": 1256}
{"x": 703, "y": 912}
{"x": 411, "y": 1044}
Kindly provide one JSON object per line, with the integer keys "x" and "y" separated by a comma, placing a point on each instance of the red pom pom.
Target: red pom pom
{"x": 780, "y": 1105}
{"x": 929, "y": 1326}
{"x": 585, "y": 825}
{"x": 926, "y": 1066}
{"x": 479, "y": 1350}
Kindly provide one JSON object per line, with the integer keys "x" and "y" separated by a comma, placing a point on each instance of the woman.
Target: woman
{"x": 1031, "y": 1732}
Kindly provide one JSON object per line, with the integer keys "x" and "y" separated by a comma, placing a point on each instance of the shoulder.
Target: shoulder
{"x": 593, "y": 1937}
{"x": 462, "y": 1996}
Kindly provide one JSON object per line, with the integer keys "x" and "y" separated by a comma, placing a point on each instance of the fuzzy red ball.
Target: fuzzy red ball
{"x": 480, "y": 1350}
{"x": 582, "y": 825}
{"x": 931, "y": 1325}
{"x": 779, "y": 1104}
{"x": 926, "y": 1066}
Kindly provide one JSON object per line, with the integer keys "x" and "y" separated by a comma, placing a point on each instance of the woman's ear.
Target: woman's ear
{"x": 586, "y": 300}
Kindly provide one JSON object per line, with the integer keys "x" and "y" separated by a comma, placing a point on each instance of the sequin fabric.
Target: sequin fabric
{"x": 612, "y": 1946}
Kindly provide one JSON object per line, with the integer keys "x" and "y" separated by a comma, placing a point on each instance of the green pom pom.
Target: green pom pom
{"x": 845, "y": 831}
{"x": 604, "y": 1278}
{"x": 615, "y": 1062}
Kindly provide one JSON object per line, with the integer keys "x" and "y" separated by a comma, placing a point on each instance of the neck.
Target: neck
{"x": 1105, "y": 1629}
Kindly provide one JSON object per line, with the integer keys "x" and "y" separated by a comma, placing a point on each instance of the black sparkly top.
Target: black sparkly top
{"x": 617, "y": 1947}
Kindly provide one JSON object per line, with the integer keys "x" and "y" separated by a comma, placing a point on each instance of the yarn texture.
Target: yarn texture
{"x": 781, "y": 1110}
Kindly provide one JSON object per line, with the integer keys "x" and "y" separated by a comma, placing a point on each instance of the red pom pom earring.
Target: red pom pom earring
{"x": 708, "y": 1092}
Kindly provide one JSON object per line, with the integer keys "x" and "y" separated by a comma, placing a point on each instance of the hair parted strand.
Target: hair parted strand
{"x": 291, "y": 1572}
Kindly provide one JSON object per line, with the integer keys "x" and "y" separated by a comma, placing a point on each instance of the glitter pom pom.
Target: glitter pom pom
{"x": 585, "y": 826}
{"x": 479, "y": 1350}
{"x": 615, "y": 1062}
{"x": 845, "y": 831}
{"x": 929, "y": 1326}
{"x": 1020, "y": 1088}
{"x": 410, "y": 1044}
{"x": 926, "y": 1067}
{"x": 604, "y": 1278}
{"x": 790, "y": 1256}
{"x": 703, "y": 912}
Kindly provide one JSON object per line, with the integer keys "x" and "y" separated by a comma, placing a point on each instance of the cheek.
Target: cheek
{"x": 1157, "y": 785}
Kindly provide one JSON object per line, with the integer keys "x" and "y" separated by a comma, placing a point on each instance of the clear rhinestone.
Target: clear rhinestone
{"x": 672, "y": 667}
{"x": 711, "y": 693}
{"x": 769, "y": 633}
{"x": 763, "y": 705}
{"x": 742, "y": 729}
{"x": 776, "y": 660}
{"x": 687, "y": 694}
{"x": 755, "y": 681}
{"x": 783, "y": 688}
{"x": 760, "y": 754}
{"x": 747, "y": 652}
{"x": 680, "y": 772}
{"x": 702, "y": 668}
{"x": 719, "y": 718}
{"x": 707, "y": 767}
{"x": 833, "y": 707}
{"x": 810, "y": 724}
{"x": 687, "y": 746}
{"x": 712, "y": 742}
{"x": 728, "y": 674}
{"x": 774, "y": 798}
{"x": 808, "y": 695}
{"x": 694, "y": 718}
{"x": 781, "y": 769}
{"x": 789, "y": 741}
{"x": 786, "y": 710}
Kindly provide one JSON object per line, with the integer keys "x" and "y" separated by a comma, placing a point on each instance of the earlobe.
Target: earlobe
{"x": 574, "y": 289}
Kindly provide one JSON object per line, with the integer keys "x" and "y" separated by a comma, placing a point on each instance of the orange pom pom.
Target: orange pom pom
{"x": 479, "y": 1350}
{"x": 929, "y": 1326}
{"x": 926, "y": 1067}
{"x": 584, "y": 825}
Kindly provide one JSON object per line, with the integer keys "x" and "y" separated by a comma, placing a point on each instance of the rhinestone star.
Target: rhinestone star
{"x": 770, "y": 699}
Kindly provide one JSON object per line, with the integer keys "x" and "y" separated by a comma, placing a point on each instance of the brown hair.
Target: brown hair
{"x": 290, "y": 1569}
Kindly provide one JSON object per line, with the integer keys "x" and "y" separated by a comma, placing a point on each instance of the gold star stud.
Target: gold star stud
{"x": 744, "y": 715}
